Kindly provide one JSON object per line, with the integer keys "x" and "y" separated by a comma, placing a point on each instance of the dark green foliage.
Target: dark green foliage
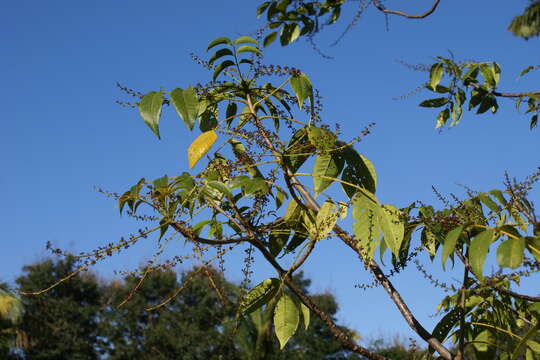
{"x": 527, "y": 25}
{"x": 188, "y": 327}
{"x": 61, "y": 323}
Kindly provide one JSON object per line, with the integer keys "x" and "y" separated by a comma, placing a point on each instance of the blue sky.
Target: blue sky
{"x": 63, "y": 134}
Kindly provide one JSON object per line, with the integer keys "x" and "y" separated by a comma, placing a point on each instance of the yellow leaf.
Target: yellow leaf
{"x": 200, "y": 146}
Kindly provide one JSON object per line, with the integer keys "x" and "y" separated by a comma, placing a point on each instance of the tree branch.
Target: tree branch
{"x": 381, "y": 8}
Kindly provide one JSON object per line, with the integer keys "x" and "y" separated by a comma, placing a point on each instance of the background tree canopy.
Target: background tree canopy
{"x": 85, "y": 318}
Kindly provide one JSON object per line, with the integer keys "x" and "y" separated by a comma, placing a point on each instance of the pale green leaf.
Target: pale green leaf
{"x": 435, "y": 75}
{"x": 510, "y": 253}
{"x": 302, "y": 88}
{"x": 286, "y": 319}
{"x": 219, "y": 41}
{"x": 478, "y": 251}
{"x": 305, "y": 315}
{"x": 245, "y": 39}
{"x": 329, "y": 166}
{"x": 259, "y": 295}
{"x": 248, "y": 48}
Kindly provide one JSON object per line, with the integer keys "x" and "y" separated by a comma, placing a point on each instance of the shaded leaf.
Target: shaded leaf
{"x": 437, "y": 102}
{"x": 221, "y": 67}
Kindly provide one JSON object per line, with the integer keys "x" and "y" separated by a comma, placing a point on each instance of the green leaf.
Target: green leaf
{"x": 393, "y": 228}
{"x": 488, "y": 102}
{"x": 488, "y": 75}
{"x": 221, "y": 187}
{"x": 150, "y": 110}
{"x": 435, "y": 75}
{"x": 526, "y": 341}
{"x": 325, "y": 221}
{"x": 510, "y": 253}
{"x": 436, "y": 102}
{"x": 270, "y": 38}
{"x": 526, "y": 70}
{"x": 230, "y": 113}
{"x": 360, "y": 171}
{"x": 289, "y": 33}
{"x": 305, "y": 314}
{"x": 262, "y": 8}
{"x": 259, "y": 295}
{"x": 200, "y": 146}
{"x": 219, "y": 54}
{"x": 443, "y": 116}
{"x": 221, "y": 67}
{"x": 372, "y": 219}
{"x": 322, "y": 139}
{"x": 219, "y": 41}
{"x": 450, "y": 243}
{"x": 186, "y": 104}
{"x": 478, "y": 251}
{"x": 534, "y": 121}
{"x": 533, "y": 245}
{"x": 286, "y": 319}
{"x": 244, "y": 40}
{"x": 302, "y": 88}
{"x": 278, "y": 238}
{"x": 248, "y": 48}
{"x": 447, "y": 323}
{"x": 298, "y": 150}
{"x": 486, "y": 200}
{"x": 328, "y": 165}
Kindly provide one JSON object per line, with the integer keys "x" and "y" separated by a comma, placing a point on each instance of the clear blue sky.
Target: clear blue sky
{"x": 63, "y": 134}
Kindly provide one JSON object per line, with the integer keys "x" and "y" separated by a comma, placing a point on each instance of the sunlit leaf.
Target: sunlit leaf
{"x": 186, "y": 104}
{"x": 510, "y": 253}
{"x": 200, "y": 146}
{"x": 248, "y": 48}
{"x": 259, "y": 295}
{"x": 305, "y": 315}
{"x": 329, "y": 166}
{"x": 244, "y": 40}
{"x": 450, "y": 243}
{"x": 435, "y": 75}
{"x": 302, "y": 88}
{"x": 150, "y": 110}
{"x": 286, "y": 319}
{"x": 219, "y": 41}
{"x": 478, "y": 251}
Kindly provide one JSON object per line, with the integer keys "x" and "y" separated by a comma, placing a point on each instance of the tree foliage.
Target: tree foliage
{"x": 269, "y": 175}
